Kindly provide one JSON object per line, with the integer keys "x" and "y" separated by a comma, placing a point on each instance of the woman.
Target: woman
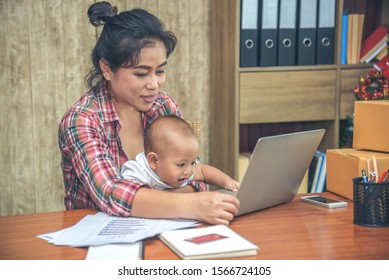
{"x": 105, "y": 127}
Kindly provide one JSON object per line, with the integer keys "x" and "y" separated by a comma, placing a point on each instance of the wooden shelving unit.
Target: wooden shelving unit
{"x": 317, "y": 96}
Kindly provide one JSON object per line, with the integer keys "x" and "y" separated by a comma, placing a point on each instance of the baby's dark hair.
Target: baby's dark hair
{"x": 123, "y": 37}
{"x": 167, "y": 130}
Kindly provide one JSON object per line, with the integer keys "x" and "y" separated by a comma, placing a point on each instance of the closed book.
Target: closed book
{"x": 212, "y": 242}
{"x": 343, "y": 51}
{"x": 321, "y": 180}
{"x": 383, "y": 53}
{"x": 311, "y": 173}
{"x": 318, "y": 171}
{"x": 377, "y": 51}
{"x": 354, "y": 38}
{"x": 374, "y": 42}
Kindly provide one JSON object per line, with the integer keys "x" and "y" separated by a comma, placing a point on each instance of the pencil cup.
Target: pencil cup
{"x": 371, "y": 203}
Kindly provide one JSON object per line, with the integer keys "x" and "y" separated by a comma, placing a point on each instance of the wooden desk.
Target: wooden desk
{"x": 295, "y": 230}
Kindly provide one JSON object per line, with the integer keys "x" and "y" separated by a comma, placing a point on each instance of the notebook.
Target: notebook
{"x": 213, "y": 242}
{"x": 276, "y": 168}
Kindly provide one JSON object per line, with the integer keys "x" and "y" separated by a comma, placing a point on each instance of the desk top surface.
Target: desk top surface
{"x": 296, "y": 230}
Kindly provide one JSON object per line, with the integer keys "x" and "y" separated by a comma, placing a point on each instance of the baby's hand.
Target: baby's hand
{"x": 232, "y": 185}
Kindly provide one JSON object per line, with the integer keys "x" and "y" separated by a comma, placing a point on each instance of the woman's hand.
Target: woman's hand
{"x": 212, "y": 207}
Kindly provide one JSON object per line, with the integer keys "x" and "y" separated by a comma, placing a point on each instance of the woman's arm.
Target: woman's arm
{"x": 209, "y": 207}
{"x": 92, "y": 178}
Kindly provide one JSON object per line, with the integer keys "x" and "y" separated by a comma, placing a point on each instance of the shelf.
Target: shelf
{"x": 287, "y": 68}
{"x": 254, "y": 99}
{"x": 287, "y": 96}
{"x": 305, "y": 68}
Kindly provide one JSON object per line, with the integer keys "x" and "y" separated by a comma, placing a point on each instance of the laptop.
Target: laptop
{"x": 276, "y": 169}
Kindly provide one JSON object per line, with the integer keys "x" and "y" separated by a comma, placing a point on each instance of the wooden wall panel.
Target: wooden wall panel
{"x": 45, "y": 19}
{"x": 5, "y": 102}
{"x": 200, "y": 69}
{"x": 45, "y": 52}
{"x": 189, "y": 68}
{"x": 79, "y": 37}
{"x": 62, "y": 50}
{"x": 18, "y": 115}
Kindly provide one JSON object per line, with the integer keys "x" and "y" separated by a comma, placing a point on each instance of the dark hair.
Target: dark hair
{"x": 123, "y": 37}
{"x": 170, "y": 129}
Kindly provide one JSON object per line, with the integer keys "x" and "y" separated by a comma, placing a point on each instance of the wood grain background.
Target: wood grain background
{"x": 45, "y": 48}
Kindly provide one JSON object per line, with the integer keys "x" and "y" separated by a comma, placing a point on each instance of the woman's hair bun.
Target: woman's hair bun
{"x": 100, "y": 12}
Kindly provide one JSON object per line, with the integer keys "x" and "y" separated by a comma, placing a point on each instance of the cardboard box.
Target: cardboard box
{"x": 370, "y": 130}
{"x": 343, "y": 165}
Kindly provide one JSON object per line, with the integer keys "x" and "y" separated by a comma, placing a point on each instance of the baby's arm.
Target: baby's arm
{"x": 212, "y": 175}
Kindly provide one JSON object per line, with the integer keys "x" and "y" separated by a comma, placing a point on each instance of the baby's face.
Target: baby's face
{"x": 176, "y": 164}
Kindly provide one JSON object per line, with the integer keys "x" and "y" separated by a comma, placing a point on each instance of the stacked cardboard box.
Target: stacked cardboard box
{"x": 370, "y": 138}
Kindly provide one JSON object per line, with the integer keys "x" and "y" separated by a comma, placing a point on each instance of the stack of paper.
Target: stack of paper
{"x": 128, "y": 251}
{"x": 101, "y": 229}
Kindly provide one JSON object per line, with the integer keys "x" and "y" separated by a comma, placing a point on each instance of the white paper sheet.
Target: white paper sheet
{"x": 128, "y": 251}
{"x": 101, "y": 229}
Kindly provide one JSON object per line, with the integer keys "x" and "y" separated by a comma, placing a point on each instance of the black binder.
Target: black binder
{"x": 287, "y": 34}
{"x": 249, "y": 33}
{"x": 326, "y": 32}
{"x": 268, "y": 33}
{"x": 306, "y": 48}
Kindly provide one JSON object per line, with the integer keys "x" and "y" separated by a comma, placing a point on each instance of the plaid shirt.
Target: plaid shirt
{"x": 92, "y": 155}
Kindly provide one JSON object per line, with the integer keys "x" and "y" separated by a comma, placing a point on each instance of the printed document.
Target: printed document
{"x": 100, "y": 229}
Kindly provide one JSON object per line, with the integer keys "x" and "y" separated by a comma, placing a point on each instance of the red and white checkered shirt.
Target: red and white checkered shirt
{"x": 92, "y": 155}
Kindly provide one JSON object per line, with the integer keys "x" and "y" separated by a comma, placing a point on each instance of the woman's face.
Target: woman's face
{"x": 138, "y": 85}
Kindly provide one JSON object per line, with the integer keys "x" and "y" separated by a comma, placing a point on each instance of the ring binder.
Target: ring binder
{"x": 268, "y": 34}
{"x": 287, "y": 32}
{"x": 249, "y": 33}
{"x": 306, "y": 49}
{"x": 326, "y": 32}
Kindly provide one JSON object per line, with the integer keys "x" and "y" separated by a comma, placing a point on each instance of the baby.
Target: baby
{"x": 170, "y": 159}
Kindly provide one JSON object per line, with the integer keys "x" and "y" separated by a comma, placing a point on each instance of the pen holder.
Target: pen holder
{"x": 371, "y": 203}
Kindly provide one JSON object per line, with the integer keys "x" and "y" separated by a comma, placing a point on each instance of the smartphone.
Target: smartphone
{"x": 324, "y": 201}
